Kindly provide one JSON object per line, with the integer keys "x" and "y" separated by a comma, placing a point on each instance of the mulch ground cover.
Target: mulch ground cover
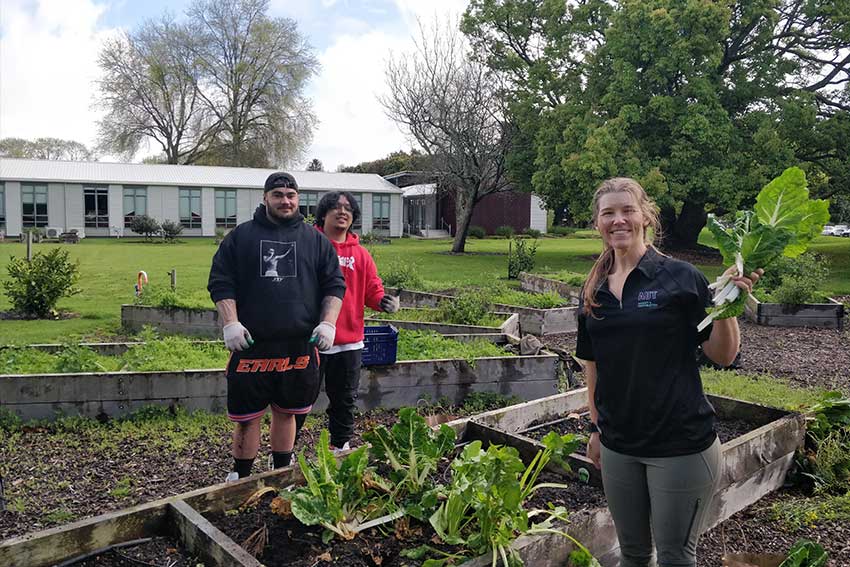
{"x": 156, "y": 551}
{"x": 577, "y": 423}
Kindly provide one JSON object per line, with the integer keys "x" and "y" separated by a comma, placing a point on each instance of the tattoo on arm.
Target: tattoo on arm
{"x": 330, "y": 309}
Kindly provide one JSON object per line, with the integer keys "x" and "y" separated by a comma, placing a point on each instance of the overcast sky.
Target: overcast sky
{"x": 48, "y": 53}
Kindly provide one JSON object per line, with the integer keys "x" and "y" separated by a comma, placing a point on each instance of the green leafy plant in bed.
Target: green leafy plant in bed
{"x": 428, "y": 345}
{"x": 412, "y": 450}
{"x": 430, "y": 315}
{"x": 341, "y": 497}
{"x": 570, "y": 278}
{"x": 482, "y": 509}
{"x": 167, "y": 298}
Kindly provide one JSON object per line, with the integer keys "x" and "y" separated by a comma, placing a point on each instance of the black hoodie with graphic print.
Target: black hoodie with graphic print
{"x": 278, "y": 274}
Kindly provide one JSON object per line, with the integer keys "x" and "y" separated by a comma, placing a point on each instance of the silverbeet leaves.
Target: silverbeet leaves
{"x": 783, "y": 222}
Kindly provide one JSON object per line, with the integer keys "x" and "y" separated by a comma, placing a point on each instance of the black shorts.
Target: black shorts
{"x": 283, "y": 374}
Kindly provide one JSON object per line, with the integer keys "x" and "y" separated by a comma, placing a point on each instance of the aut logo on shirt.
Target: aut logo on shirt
{"x": 346, "y": 262}
{"x": 647, "y": 298}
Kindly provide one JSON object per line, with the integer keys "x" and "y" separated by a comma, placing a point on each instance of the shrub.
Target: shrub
{"x": 476, "y": 232}
{"x": 402, "y": 275}
{"x": 795, "y": 290}
{"x": 811, "y": 265}
{"x": 521, "y": 258}
{"x": 35, "y": 287}
{"x": 533, "y": 232}
{"x": 171, "y": 230}
{"x": 76, "y": 358}
{"x": 145, "y": 225}
{"x": 505, "y": 231}
{"x": 562, "y": 230}
{"x": 467, "y": 308}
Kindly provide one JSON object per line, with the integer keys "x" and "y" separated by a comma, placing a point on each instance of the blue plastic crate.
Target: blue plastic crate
{"x": 380, "y": 345}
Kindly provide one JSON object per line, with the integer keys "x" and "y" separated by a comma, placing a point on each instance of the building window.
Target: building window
{"x": 307, "y": 203}
{"x": 359, "y": 224}
{"x": 190, "y": 208}
{"x": 135, "y": 203}
{"x": 2, "y": 206}
{"x": 96, "y": 206}
{"x": 225, "y": 208}
{"x": 34, "y": 205}
{"x": 381, "y": 213}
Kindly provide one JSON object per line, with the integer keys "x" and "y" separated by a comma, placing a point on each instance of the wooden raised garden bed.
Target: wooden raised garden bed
{"x": 531, "y": 320}
{"x": 828, "y": 315}
{"x": 45, "y": 396}
{"x": 509, "y": 326}
{"x": 540, "y": 284}
{"x": 754, "y": 462}
{"x": 192, "y": 322}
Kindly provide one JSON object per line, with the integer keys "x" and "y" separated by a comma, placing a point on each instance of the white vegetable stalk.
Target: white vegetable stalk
{"x": 728, "y": 293}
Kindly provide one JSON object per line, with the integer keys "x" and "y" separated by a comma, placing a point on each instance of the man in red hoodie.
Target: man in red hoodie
{"x": 340, "y": 367}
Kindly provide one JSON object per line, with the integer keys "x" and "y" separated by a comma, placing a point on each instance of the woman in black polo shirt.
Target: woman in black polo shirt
{"x": 653, "y": 428}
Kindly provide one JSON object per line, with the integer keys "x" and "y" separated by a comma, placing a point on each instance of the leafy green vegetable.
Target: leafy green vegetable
{"x": 483, "y": 508}
{"x": 412, "y": 450}
{"x": 805, "y": 553}
{"x": 339, "y": 497}
{"x": 784, "y": 221}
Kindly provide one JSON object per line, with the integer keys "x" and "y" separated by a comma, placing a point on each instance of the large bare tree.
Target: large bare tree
{"x": 149, "y": 89}
{"x": 453, "y": 107}
{"x": 224, "y": 88}
{"x": 255, "y": 69}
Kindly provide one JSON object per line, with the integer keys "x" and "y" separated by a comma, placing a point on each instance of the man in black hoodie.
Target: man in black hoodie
{"x": 278, "y": 289}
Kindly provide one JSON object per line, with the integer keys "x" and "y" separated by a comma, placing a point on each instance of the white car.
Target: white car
{"x": 828, "y": 230}
{"x": 841, "y": 230}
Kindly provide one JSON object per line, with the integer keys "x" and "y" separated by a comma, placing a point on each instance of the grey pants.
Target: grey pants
{"x": 665, "y": 499}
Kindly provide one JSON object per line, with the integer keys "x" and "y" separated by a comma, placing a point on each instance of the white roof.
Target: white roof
{"x": 49, "y": 171}
{"x": 420, "y": 190}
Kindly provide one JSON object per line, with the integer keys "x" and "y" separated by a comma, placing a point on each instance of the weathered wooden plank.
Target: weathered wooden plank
{"x": 204, "y": 540}
{"x": 540, "y": 284}
{"x": 730, "y": 408}
{"x": 55, "y": 545}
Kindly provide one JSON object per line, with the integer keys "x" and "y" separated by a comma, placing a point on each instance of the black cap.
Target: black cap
{"x": 280, "y": 179}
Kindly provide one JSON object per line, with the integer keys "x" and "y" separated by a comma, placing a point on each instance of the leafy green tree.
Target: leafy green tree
{"x": 315, "y": 165}
{"x": 45, "y": 148}
{"x": 401, "y": 160}
{"x": 702, "y": 102}
{"x": 145, "y": 225}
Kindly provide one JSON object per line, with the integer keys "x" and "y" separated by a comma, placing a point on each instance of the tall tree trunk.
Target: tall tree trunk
{"x": 681, "y": 232}
{"x": 464, "y": 206}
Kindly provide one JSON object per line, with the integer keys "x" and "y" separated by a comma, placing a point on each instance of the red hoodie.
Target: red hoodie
{"x": 362, "y": 287}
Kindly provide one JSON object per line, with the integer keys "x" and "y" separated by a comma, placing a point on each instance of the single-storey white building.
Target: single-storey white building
{"x": 100, "y": 199}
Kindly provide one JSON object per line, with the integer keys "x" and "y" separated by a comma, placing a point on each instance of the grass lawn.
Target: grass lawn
{"x": 109, "y": 267}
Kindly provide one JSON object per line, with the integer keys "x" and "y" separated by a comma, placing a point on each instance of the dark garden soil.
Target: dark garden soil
{"x": 577, "y": 423}
{"x": 756, "y": 530}
{"x": 806, "y": 356}
{"x": 289, "y": 543}
{"x": 159, "y": 551}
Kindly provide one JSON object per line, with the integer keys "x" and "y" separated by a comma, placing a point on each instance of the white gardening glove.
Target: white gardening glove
{"x": 237, "y": 337}
{"x": 323, "y": 335}
{"x": 389, "y": 304}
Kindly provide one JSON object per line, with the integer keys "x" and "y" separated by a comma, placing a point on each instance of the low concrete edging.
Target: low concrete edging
{"x": 531, "y": 320}
{"x": 828, "y": 315}
{"x": 32, "y": 396}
